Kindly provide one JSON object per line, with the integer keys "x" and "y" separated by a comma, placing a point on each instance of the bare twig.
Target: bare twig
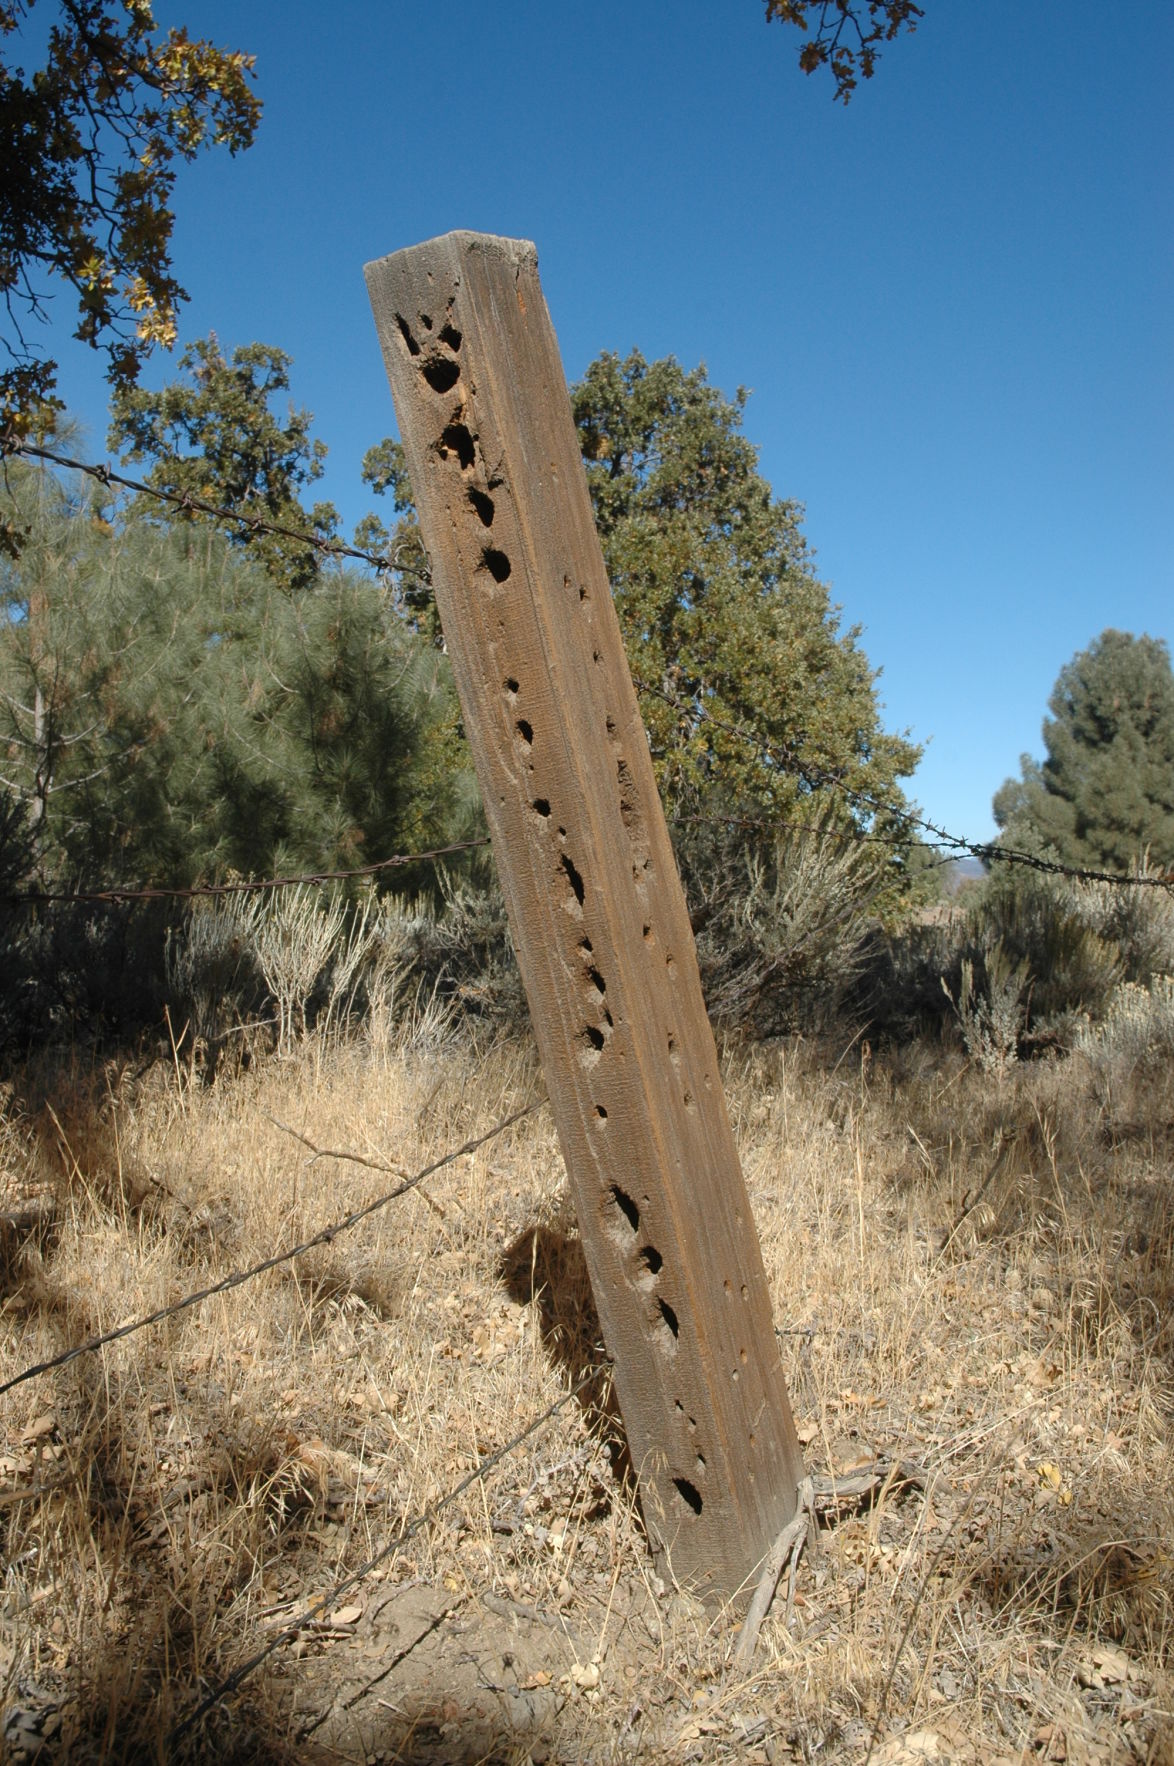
{"x": 352, "y": 1159}
{"x": 783, "y": 1553}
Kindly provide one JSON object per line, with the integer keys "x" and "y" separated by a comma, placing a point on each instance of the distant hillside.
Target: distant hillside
{"x": 961, "y": 871}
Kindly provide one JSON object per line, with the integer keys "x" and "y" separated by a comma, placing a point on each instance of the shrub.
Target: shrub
{"x": 783, "y": 932}
{"x": 213, "y": 981}
{"x": 1138, "y": 921}
{"x": 1048, "y": 927}
{"x": 1131, "y": 1059}
{"x": 992, "y": 1018}
{"x": 81, "y": 970}
{"x": 1138, "y": 1030}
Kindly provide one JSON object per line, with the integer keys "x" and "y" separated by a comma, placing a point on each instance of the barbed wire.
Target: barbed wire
{"x": 820, "y": 829}
{"x": 240, "y": 1276}
{"x": 789, "y": 758}
{"x": 188, "y": 504}
{"x": 255, "y": 886}
{"x": 988, "y": 852}
{"x": 323, "y": 1602}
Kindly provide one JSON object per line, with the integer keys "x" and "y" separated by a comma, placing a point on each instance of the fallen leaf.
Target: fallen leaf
{"x": 1105, "y": 1667}
{"x": 922, "y": 1745}
{"x": 346, "y": 1616}
{"x": 945, "y": 1743}
{"x": 1051, "y": 1478}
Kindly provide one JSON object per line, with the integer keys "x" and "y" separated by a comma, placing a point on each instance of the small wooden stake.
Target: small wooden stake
{"x": 595, "y": 904}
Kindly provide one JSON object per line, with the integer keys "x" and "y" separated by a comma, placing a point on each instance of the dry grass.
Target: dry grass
{"x": 971, "y": 1274}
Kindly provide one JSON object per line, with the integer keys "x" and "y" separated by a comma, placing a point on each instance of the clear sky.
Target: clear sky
{"x": 953, "y": 300}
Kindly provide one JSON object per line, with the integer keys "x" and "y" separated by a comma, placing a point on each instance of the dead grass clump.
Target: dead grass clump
{"x": 972, "y": 1286}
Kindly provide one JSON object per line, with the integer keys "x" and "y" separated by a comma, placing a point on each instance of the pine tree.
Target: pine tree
{"x": 169, "y": 713}
{"x": 1104, "y": 794}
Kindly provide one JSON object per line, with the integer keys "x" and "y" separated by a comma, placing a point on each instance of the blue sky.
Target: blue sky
{"x": 953, "y": 299}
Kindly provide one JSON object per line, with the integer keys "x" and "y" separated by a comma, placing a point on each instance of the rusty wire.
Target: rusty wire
{"x": 811, "y": 773}
{"x": 187, "y": 504}
{"x": 259, "y": 886}
{"x": 240, "y": 1276}
{"x": 324, "y": 1602}
{"x": 786, "y": 757}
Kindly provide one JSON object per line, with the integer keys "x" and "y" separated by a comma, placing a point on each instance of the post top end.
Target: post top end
{"x": 462, "y": 243}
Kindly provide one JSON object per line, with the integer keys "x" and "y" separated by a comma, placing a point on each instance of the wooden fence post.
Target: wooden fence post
{"x": 595, "y": 904}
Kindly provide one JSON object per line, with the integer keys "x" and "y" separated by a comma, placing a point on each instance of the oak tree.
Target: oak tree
{"x": 92, "y": 139}
{"x": 752, "y": 692}
{"x": 848, "y": 34}
{"x": 761, "y": 711}
{"x": 213, "y": 434}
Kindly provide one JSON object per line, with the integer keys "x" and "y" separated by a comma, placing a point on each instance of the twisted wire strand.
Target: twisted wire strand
{"x": 240, "y": 1276}
{"x": 324, "y": 1602}
{"x": 259, "y": 886}
{"x": 381, "y": 562}
{"x": 987, "y": 852}
{"x": 815, "y": 775}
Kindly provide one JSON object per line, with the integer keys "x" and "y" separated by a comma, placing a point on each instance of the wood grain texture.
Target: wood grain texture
{"x": 596, "y": 907}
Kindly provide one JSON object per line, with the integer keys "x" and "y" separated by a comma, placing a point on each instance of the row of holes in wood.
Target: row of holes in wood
{"x": 438, "y": 361}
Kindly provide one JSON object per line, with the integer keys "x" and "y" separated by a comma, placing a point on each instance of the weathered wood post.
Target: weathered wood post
{"x": 595, "y": 904}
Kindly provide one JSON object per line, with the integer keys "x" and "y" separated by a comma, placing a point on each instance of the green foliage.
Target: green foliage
{"x": 458, "y": 954}
{"x": 1104, "y": 796}
{"x": 722, "y": 613}
{"x": 1137, "y": 921}
{"x": 167, "y": 713}
{"x": 784, "y": 927}
{"x": 1137, "y": 1033}
{"x": 732, "y": 636}
{"x": 386, "y": 470}
{"x": 724, "y": 619}
{"x": 847, "y": 34}
{"x": 992, "y": 1017}
{"x": 212, "y": 434}
{"x": 211, "y": 976}
{"x": 1043, "y": 928}
{"x": 1027, "y": 966}
{"x": 91, "y": 144}
{"x": 80, "y": 971}
{"x": 1130, "y": 1056}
